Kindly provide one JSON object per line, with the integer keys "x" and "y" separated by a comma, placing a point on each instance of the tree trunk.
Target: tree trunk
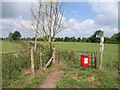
{"x": 53, "y": 55}
{"x": 35, "y": 44}
{"x": 40, "y": 58}
{"x": 48, "y": 63}
{"x": 32, "y": 61}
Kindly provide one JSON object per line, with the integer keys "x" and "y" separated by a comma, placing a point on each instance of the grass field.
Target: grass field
{"x": 10, "y": 46}
{"x": 74, "y": 77}
{"x": 107, "y": 78}
{"x": 110, "y": 50}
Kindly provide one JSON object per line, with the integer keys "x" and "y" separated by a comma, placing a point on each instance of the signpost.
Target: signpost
{"x": 101, "y": 35}
{"x": 101, "y": 49}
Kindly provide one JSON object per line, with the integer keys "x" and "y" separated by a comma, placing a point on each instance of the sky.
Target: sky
{"x": 84, "y": 18}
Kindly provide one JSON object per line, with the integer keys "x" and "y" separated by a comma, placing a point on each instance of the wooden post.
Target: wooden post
{"x": 95, "y": 58}
{"x": 91, "y": 60}
{"x": 101, "y": 50}
{"x": 54, "y": 55}
{"x": 101, "y": 56}
{"x": 28, "y": 46}
{"x": 58, "y": 57}
{"x": 40, "y": 58}
{"x": 32, "y": 61}
{"x": 48, "y": 63}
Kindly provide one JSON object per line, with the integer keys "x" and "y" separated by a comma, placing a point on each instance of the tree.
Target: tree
{"x": 78, "y": 39}
{"x": 107, "y": 40}
{"x": 73, "y": 39}
{"x": 67, "y": 39}
{"x": 16, "y": 35}
{"x": 93, "y": 38}
{"x": 87, "y": 40}
{"x": 116, "y": 38}
{"x": 83, "y": 39}
{"x": 48, "y": 20}
{"x": 10, "y": 36}
{"x": 59, "y": 39}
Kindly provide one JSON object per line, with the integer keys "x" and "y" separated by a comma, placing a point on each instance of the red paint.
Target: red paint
{"x": 85, "y": 60}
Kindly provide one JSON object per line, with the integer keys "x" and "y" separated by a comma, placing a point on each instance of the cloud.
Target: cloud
{"x": 80, "y": 26}
{"x": 75, "y": 28}
{"x": 108, "y": 31}
{"x": 107, "y": 15}
{"x": 78, "y": 29}
{"x": 107, "y": 12}
{"x": 15, "y": 9}
{"x": 85, "y": 29}
{"x": 10, "y": 25}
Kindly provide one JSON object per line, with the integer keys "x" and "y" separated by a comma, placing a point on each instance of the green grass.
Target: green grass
{"x": 107, "y": 78}
{"x": 10, "y": 46}
{"x": 89, "y": 78}
{"x": 26, "y": 81}
{"x": 110, "y": 50}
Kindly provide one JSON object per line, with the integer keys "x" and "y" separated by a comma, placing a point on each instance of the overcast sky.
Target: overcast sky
{"x": 85, "y": 18}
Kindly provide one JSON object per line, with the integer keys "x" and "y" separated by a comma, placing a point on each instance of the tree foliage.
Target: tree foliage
{"x": 15, "y": 36}
{"x": 116, "y": 38}
{"x": 93, "y": 38}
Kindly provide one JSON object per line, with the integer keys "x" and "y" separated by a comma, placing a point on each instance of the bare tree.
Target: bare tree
{"x": 49, "y": 20}
{"x": 36, "y": 20}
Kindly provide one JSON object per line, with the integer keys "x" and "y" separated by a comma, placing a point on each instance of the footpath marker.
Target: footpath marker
{"x": 101, "y": 49}
{"x": 101, "y": 35}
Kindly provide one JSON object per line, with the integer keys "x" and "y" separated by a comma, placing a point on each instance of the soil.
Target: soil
{"x": 52, "y": 78}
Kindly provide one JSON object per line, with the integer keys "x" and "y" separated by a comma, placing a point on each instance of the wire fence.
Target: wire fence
{"x": 72, "y": 56}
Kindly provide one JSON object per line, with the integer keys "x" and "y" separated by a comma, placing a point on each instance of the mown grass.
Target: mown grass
{"x": 10, "y": 46}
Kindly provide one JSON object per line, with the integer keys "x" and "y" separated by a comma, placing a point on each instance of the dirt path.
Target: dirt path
{"x": 52, "y": 78}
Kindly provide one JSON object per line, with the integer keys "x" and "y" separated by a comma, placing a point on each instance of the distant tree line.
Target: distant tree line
{"x": 15, "y": 36}
{"x": 93, "y": 39}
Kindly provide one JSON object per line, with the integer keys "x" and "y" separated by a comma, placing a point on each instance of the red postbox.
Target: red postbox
{"x": 85, "y": 59}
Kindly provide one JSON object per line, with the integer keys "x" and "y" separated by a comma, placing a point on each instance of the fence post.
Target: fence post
{"x": 53, "y": 55}
{"x": 28, "y": 46}
{"x": 58, "y": 57}
{"x": 101, "y": 49}
{"x": 95, "y": 55}
{"x": 91, "y": 60}
{"x": 40, "y": 58}
{"x": 32, "y": 61}
{"x": 101, "y": 56}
